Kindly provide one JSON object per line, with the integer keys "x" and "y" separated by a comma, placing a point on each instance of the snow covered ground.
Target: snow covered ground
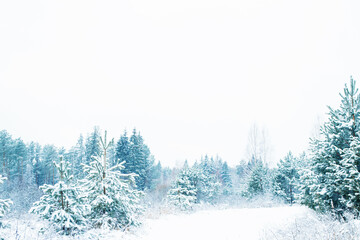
{"x": 219, "y": 224}
{"x": 287, "y": 222}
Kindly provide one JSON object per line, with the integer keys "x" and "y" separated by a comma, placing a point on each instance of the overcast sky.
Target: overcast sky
{"x": 191, "y": 75}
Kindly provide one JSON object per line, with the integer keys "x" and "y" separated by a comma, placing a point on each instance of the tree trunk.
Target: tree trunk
{"x": 104, "y": 171}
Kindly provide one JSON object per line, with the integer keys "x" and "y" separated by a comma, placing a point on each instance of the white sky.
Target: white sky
{"x": 191, "y": 75}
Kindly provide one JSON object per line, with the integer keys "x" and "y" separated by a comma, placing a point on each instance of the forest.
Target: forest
{"x": 109, "y": 183}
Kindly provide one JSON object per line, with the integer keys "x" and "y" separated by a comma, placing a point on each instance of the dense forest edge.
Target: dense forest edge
{"x": 110, "y": 183}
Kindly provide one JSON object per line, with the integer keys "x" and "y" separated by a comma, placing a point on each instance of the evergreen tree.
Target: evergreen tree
{"x": 5, "y": 152}
{"x": 259, "y": 180}
{"x": 286, "y": 179}
{"x": 62, "y": 203}
{"x": 49, "y": 156}
{"x": 123, "y": 151}
{"x": 183, "y": 192}
{"x": 34, "y": 151}
{"x": 209, "y": 181}
{"x": 19, "y": 160}
{"x": 114, "y": 204}
{"x": 334, "y": 158}
{"x": 350, "y": 175}
{"x": 138, "y": 159}
{"x": 92, "y": 145}
{"x": 226, "y": 179}
{"x": 4, "y": 203}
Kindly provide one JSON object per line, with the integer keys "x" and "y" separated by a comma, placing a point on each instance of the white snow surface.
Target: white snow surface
{"x": 219, "y": 224}
{"x": 280, "y": 223}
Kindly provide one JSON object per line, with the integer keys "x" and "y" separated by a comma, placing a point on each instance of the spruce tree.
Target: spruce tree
{"x": 226, "y": 179}
{"x": 183, "y": 192}
{"x": 334, "y": 158}
{"x": 259, "y": 180}
{"x": 114, "y": 203}
{"x": 92, "y": 145}
{"x": 349, "y": 173}
{"x": 62, "y": 203}
{"x": 4, "y": 203}
{"x": 138, "y": 159}
{"x": 286, "y": 178}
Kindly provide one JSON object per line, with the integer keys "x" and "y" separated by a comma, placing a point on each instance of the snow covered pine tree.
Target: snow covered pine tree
{"x": 114, "y": 203}
{"x": 286, "y": 179}
{"x": 336, "y": 158}
{"x": 4, "y": 203}
{"x": 183, "y": 193}
{"x": 62, "y": 203}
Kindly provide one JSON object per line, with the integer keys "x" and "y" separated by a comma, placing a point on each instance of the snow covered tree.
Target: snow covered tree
{"x": 4, "y": 203}
{"x": 183, "y": 193}
{"x": 259, "y": 180}
{"x": 49, "y": 156}
{"x": 114, "y": 203}
{"x": 92, "y": 145}
{"x": 77, "y": 156}
{"x": 62, "y": 203}
{"x": 334, "y": 156}
{"x": 5, "y": 152}
{"x": 286, "y": 178}
{"x": 350, "y": 176}
{"x": 208, "y": 179}
{"x": 138, "y": 159}
{"x": 226, "y": 179}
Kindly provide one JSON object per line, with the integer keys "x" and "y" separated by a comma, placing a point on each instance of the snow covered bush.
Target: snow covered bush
{"x": 62, "y": 203}
{"x": 4, "y": 203}
{"x": 315, "y": 226}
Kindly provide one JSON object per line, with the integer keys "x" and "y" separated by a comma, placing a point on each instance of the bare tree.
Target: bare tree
{"x": 258, "y": 146}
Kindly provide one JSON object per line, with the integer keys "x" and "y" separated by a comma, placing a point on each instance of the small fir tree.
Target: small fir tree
{"x": 183, "y": 193}
{"x": 62, "y": 203}
{"x": 114, "y": 203}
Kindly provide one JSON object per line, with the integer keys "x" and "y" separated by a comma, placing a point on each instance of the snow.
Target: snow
{"x": 218, "y": 224}
{"x": 229, "y": 224}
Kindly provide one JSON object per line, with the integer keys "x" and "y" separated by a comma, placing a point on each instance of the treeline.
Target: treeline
{"x": 327, "y": 178}
{"x": 29, "y": 166}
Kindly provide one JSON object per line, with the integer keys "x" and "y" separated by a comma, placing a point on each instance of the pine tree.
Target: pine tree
{"x": 19, "y": 160}
{"x": 49, "y": 156}
{"x": 62, "y": 203}
{"x": 226, "y": 179}
{"x": 114, "y": 204}
{"x": 334, "y": 159}
{"x": 4, "y": 203}
{"x": 34, "y": 150}
{"x": 123, "y": 150}
{"x": 78, "y": 157}
{"x": 259, "y": 180}
{"x": 350, "y": 174}
{"x": 138, "y": 159}
{"x": 183, "y": 192}
{"x": 286, "y": 178}
{"x": 92, "y": 145}
{"x": 5, "y": 152}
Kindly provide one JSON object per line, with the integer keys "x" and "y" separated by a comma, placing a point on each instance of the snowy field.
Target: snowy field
{"x": 248, "y": 223}
{"x": 226, "y": 224}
